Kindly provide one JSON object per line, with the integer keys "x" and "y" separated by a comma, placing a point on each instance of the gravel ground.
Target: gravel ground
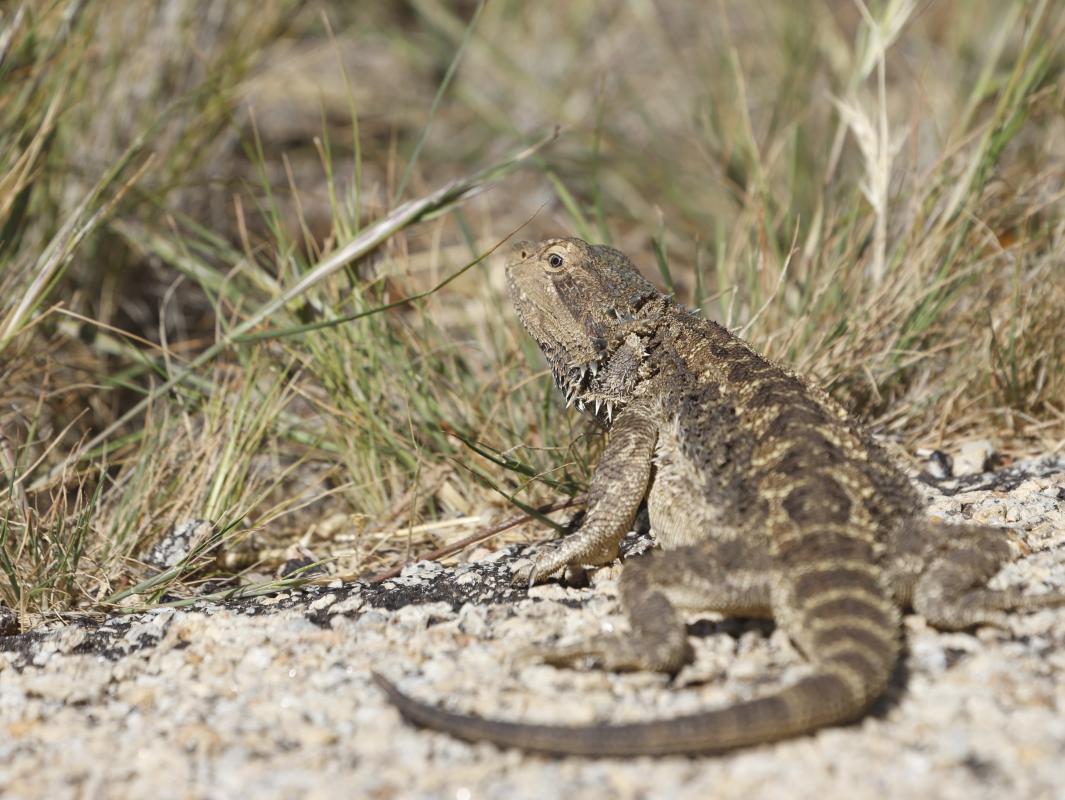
{"x": 272, "y": 697}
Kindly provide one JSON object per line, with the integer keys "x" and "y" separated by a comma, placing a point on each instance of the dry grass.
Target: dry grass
{"x": 233, "y": 288}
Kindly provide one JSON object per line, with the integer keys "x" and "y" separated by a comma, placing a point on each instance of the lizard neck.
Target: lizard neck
{"x": 603, "y": 387}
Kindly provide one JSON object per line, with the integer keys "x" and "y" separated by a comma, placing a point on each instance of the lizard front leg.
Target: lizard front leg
{"x": 619, "y": 485}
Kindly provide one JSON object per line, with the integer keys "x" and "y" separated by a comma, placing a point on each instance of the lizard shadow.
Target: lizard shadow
{"x": 736, "y": 627}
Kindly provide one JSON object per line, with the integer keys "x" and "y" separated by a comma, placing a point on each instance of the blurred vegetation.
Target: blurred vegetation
{"x": 192, "y": 194}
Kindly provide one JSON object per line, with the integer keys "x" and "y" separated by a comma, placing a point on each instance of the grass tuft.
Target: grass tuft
{"x": 248, "y": 266}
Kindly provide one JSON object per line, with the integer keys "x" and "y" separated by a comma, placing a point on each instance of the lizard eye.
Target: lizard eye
{"x": 555, "y": 261}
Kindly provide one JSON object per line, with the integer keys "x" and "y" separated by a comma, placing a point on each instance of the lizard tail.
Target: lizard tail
{"x": 813, "y": 702}
{"x": 841, "y": 618}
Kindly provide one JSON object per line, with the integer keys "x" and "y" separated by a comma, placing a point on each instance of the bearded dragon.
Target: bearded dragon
{"x": 766, "y": 498}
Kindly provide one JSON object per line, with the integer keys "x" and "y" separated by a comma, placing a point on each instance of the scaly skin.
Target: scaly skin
{"x": 766, "y": 497}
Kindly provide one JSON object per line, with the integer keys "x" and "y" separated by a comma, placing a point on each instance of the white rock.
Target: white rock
{"x": 973, "y": 457}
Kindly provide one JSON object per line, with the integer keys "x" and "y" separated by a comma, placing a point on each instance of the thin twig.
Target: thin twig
{"x": 480, "y": 536}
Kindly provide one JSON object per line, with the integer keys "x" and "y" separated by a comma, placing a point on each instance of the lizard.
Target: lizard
{"x": 766, "y": 499}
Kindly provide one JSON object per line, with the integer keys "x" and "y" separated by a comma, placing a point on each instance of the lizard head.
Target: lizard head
{"x": 587, "y": 308}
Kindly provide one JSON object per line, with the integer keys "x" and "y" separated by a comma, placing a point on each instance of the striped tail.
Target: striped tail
{"x": 811, "y": 703}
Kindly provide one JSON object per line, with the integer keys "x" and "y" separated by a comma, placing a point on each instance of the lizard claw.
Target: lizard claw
{"x": 524, "y": 575}
{"x": 527, "y": 575}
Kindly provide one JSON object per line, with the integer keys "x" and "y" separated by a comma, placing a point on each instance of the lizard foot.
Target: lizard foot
{"x": 537, "y": 570}
{"x": 549, "y": 562}
{"x": 617, "y": 653}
